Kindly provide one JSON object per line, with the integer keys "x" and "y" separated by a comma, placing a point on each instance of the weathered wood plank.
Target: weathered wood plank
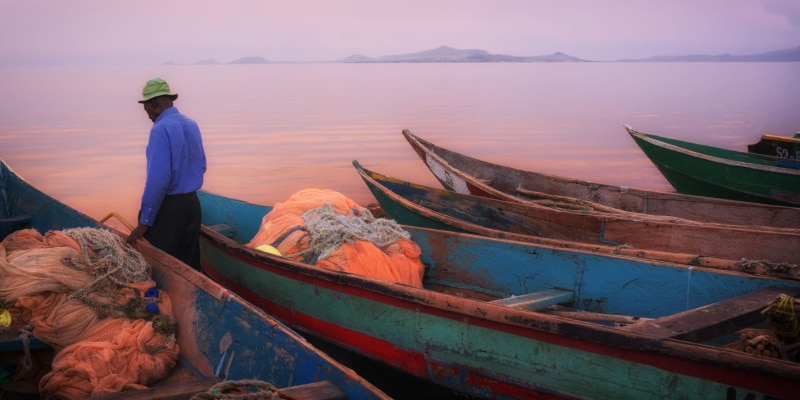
{"x": 178, "y": 391}
{"x": 324, "y": 390}
{"x": 536, "y": 300}
{"x": 592, "y": 316}
{"x": 711, "y": 321}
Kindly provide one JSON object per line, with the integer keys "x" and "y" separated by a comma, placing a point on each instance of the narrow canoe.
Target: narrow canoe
{"x": 778, "y": 146}
{"x": 655, "y": 237}
{"x": 469, "y": 175}
{"x": 486, "y": 322}
{"x": 222, "y": 338}
{"x": 702, "y": 170}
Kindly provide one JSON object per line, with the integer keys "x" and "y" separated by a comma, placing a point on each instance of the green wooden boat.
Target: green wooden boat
{"x": 715, "y": 172}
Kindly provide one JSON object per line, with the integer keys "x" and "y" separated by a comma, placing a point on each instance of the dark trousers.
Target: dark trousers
{"x": 176, "y": 229}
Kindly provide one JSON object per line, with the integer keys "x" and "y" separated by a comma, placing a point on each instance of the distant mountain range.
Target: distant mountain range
{"x": 449, "y": 54}
{"x": 446, "y": 54}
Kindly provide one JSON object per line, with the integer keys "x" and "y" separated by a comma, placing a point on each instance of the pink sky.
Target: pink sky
{"x": 36, "y": 32}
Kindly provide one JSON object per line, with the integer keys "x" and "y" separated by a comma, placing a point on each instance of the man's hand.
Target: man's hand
{"x": 136, "y": 234}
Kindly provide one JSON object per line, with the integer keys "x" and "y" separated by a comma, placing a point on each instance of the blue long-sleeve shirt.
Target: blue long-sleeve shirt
{"x": 176, "y": 161}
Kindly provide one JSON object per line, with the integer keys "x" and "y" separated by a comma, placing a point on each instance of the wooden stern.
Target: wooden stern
{"x": 711, "y": 321}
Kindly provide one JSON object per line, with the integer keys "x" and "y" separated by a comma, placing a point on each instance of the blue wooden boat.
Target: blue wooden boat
{"x": 702, "y": 170}
{"x": 653, "y": 237}
{"x": 222, "y": 338}
{"x": 504, "y": 319}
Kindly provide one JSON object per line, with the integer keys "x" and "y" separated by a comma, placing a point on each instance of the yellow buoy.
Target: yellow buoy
{"x": 269, "y": 249}
{"x": 5, "y": 318}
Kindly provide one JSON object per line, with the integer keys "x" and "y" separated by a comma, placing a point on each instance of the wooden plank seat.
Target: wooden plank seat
{"x": 324, "y": 390}
{"x": 714, "y": 320}
{"x": 536, "y": 300}
{"x": 592, "y": 316}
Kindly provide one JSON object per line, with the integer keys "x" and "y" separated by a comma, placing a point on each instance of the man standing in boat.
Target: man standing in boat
{"x": 169, "y": 217}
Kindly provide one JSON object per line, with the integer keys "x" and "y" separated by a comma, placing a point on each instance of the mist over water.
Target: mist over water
{"x": 270, "y": 130}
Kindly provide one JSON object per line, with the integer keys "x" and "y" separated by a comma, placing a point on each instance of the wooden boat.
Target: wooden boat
{"x": 469, "y": 175}
{"x": 223, "y": 339}
{"x": 715, "y": 172}
{"x": 486, "y": 322}
{"x": 655, "y": 237}
{"x": 778, "y": 146}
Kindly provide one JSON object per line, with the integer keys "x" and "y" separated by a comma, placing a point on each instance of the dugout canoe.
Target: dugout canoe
{"x": 703, "y": 170}
{"x": 223, "y": 339}
{"x": 464, "y": 174}
{"x": 504, "y": 319}
{"x": 657, "y": 237}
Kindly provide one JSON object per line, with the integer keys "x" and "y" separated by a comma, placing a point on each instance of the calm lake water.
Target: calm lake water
{"x": 270, "y": 130}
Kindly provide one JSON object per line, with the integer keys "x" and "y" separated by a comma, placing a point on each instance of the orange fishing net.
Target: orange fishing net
{"x": 327, "y": 229}
{"x": 90, "y": 297}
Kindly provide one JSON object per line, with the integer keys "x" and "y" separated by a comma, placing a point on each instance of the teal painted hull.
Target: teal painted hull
{"x": 459, "y": 330}
{"x": 709, "y": 171}
{"x": 221, "y": 336}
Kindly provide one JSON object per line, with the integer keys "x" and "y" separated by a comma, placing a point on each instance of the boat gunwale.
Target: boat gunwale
{"x": 608, "y": 216}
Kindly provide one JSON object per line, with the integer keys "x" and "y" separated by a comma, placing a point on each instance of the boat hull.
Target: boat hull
{"x": 709, "y": 171}
{"x": 476, "y": 347}
{"x": 418, "y": 205}
{"x": 467, "y": 175}
{"x": 220, "y": 335}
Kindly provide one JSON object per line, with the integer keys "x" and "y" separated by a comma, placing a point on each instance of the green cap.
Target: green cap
{"x": 154, "y": 88}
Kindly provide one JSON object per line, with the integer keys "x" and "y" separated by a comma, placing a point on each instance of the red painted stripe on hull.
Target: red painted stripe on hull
{"x": 444, "y": 373}
{"x": 409, "y": 361}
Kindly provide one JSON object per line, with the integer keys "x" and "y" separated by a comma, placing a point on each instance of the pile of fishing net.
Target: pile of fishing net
{"x": 325, "y": 228}
{"x": 90, "y": 297}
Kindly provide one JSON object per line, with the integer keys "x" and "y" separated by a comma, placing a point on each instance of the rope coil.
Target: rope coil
{"x": 782, "y": 317}
{"x": 328, "y": 231}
